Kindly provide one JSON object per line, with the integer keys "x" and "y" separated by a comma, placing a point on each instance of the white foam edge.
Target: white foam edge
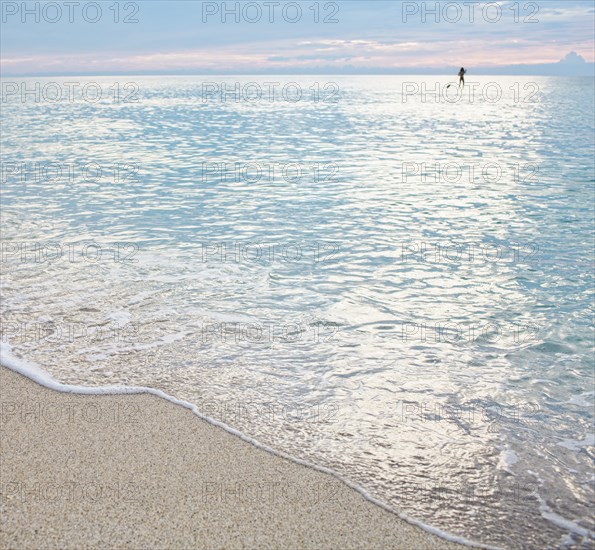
{"x": 38, "y": 375}
{"x": 562, "y": 522}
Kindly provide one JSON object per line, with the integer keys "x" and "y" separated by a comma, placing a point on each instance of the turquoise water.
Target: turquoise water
{"x": 395, "y": 286}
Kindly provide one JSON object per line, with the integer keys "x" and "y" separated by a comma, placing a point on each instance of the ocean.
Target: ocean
{"x": 378, "y": 275}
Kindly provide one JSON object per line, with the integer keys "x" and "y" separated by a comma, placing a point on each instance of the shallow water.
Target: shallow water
{"x": 393, "y": 285}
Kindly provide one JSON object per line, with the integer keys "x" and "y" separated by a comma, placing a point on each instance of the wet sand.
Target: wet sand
{"x": 137, "y": 471}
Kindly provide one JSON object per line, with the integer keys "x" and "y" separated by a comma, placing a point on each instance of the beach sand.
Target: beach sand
{"x": 137, "y": 471}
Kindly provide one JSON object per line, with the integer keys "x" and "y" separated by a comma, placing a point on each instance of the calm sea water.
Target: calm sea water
{"x": 395, "y": 285}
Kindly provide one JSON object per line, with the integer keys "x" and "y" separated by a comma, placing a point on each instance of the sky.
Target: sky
{"x": 309, "y": 36}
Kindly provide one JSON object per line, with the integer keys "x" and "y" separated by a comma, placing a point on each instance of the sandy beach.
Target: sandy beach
{"x": 137, "y": 471}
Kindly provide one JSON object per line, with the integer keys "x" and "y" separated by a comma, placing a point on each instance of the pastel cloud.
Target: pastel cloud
{"x": 370, "y": 35}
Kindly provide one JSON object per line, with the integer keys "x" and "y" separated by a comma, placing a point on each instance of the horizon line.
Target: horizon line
{"x": 116, "y": 73}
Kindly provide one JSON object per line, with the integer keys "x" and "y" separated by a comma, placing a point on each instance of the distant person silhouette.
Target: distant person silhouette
{"x": 462, "y": 76}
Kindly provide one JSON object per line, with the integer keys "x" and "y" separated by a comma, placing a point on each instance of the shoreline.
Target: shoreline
{"x": 83, "y": 468}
